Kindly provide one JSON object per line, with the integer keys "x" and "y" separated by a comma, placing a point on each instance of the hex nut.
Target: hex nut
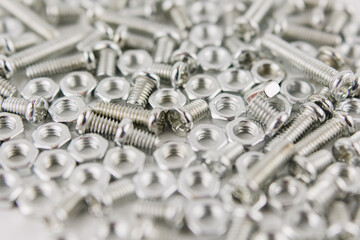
{"x": 206, "y": 217}
{"x": 247, "y": 132}
{"x": 40, "y": 87}
{"x": 206, "y": 137}
{"x": 88, "y": 147}
{"x": 12, "y": 125}
{"x": 214, "y": 58}
{"x": 265, "y": 70}
{"x": 174, "y": 155}
{"x": 113, "y": 89}
{"x": 297, "y": 90}
{"x": 166, "y": 98}
{"x": 269, "y": 89}
{"x": 133, "y": 60}
{"x": 154, "y": 183}
{"x": 18, "y": 155}
{"x": 56, "y": 164}
{"x": 66, "y": 109}
{"x": 197, "y": 182}
{"x": 202, "y": 86}
{"x": 78, "y": 84}
{"x": 11, "y": 187}
{"x": 123, "y": 161}
{"x": 236, "y": 80}
{"x": 247, "y": 160}
{"x": 206, "y": 34}
{"x": 227, "y": 107}
{"x": 281, "y": 104}
{"x": 51, "y": 135}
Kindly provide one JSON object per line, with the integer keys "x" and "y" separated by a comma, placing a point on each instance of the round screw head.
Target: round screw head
{"x": 6, "y": 68}
{"x": 121, "y": 35}
{"x": 125, "y": 128}
{"x": 180, "y": 74}
{"x": 90, "y": 62}
{"x": 321, "y": 115}
{"x": 342, "y": 84}
{"x": 104, "y": 28}
{"x": 147, "y": 75}
{"x": 186, "y": 57}
{"x": 36, "y": 110}
{"x": 82, "y": 120}
{"x": 180, "y": 120}
{"x": 156, "y": 120}
{"x": 344, "y": 150}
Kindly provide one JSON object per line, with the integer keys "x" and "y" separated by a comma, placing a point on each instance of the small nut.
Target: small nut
{"x": 214, "y": 58}
{"x": 88, "y": 147}
{"x": 247, "y": 132}
{"x": 51, "y": 135}
{"x": 202, "y": 86}
{"x": 66, "y": 109}
{"x": 154, "y": 183}
{"x": 133, "y": 60}
{"x": 236, "y": 80}
{"x": 205, "y": 137}
{"x": 297, "y": 90}
{"x": 206, "y": 34}
{"x": 11, "y": 187}
{"x": 113, "y": 89}
{"x": 247, "y": 160}
{"x": 265, "y": 70}
{"x": 18, "y": 155}
{"x": 197, "y": 182}
{"x": 174, "y": 155}
{"x": 166, "y": 98}
{"x": 44, "y": 87}
{"x": 11, "y": 125}
{"x": 54, "y": 164}
{"x": 206, "y": 217}
{"x": 123, "y": 161}
{"x": 78, "y": 84}
{"x": 226, "y": 107}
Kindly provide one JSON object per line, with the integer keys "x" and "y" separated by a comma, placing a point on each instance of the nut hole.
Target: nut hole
{"x": 154, "y": 180}
{"x": 246, "y": 130}
{"x": 38, "y": 195}
{"x": 269, "y": 70}
{"x": 88, "y": 177}
{"x": 175, "y": 153}
{"x": 299, "y": 89}
{"x": 40, "y": 88}
{"x": 166, "y": 100}
{"x": 227, "y": 105}
{"x": 17, "y": 152}
{"x": 199, "y": 180}
{"x": 7, "y": 124}
{"x": 123, "y": 159}
{"x": 202, "y": 85}
{"x": 67, "y": 108}
{"x": 87, "y": 145}
{"x": 54, "y": 162}
{"x": 50, "y": 133}
{"x": 77, "y": 82}
{"x": 236, "y": 78}
{"x": 113, "y": 88}
{"x": 207, "y": 136}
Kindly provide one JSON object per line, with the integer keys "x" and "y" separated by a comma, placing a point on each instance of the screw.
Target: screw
{"x": 58, "y": 14}
{"x": 9, "y": 45}
{"x": 339, "y": 83}
{"x": 30, "y": 19}
{"x": 314, "y": 18}
{"x": 307, "y": 168}
{"x": 144, "y": 84}
{"x": 178, "y": 13}
{"x": 244, "y": 54}
{"x": 263, "y": 112}
{"x": 126, "y": 39}
{"x": 165, "y": 45}
{"x": 122, "y": 132}
{"x": 186, "y": 53}
{"x": 288, "y": 8}
{"x": 7, "y": 89}
{"x": 176, "y": 75}
{"x": 101, "y": 31}
{"x": 336, "y": 21}
{"x": 85, "y": 59}
{"x": 33, "y": 110}
{"x": 108, "y": 52}
{"x": 331, "y": 57}
{"x": 347, "y": 149}
{"x": 182, "y": 118}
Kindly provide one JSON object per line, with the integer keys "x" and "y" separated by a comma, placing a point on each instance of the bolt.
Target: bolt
{"x": 144, "y": 84}
{"x": 176, "y": 75}
{"x": 182, "y": 118}
{"x": 126, "y": 39}
{"x": 186, "y": 53}
{"x": 7, "y": 89}
{"x": 348, "y": 149}
{"x": 108, "y": 53}
{"x": 178, "y": 13}
{"x": 101, "y": 31}
{"x": 244, "y": 54}
{"x": 33, "y": 110}
{"x": 58, "y": 14}
{"x": 340, "y": 125}
{"x": 263, "y": 112}
{"x": 81, "y": 60}
{"x": 154, "y": 119}
{"x": 221, "y": 162}
{"x": 339, "y": 83}
{"x": 165, "y": 45}
{"x": 307, "y": 168}
{"x": 122, "y": 132}
{"x": 336, "y": 21}
{"x": 9, "y": 45}
{"x": 314, "y": 18}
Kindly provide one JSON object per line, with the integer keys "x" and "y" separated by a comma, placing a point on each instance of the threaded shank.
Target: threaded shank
{"x": 261, "y": 110}
{"x": 240, "y": 229}
{"x": 198, "y": 109}
{"x": 142, "y": 140}
{"x": 180, "y": 17}
{"x": 338, "y": 212}
{"x": 152, "y": 209}
{"x": 26, "y": 40}
{"x": 140, "y": 93}
{"x": 138, "y": 41}
{"x": 163, "y": 71}
{"x": 7, "y": 89}
{"x": 14, "y": 105}
{"x": 122, "y": 189}
{"x": 101, "y": 125}
{"x": 163, "y": 50}
{"x": 107, "y": 63}
{"x": 321, "y": 159}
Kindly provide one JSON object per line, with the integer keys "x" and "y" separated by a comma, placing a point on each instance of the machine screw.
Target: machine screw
{"x": 33, "y": 110}
{"x": 165, "y": 45}
{"x": 9, "y": 45}
{"x": 178, "y": 13}
{"x": 176, "y": 75}
{"x": 101, "y": 31}
{"x": 144, "y": 84}
{"x": 59, "y": 14}
{"x": 314, "y": 18}
{"x": 243, "y": 53}
{"x": 108, "y": 53}
{"x": 126, "y": 39}
{"x": 122, "y": 132}
{"x": 186, "y": 53}
{"x": 337, "y": 20}
{"x": 7, "y": 89}
{"x": 182, "y": 118}
{"x": 339, "y": 83}
{"x": 85, "y": 59}
{"x": 154, "y": 119}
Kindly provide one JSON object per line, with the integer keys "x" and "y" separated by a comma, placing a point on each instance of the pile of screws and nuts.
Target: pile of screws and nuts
{"x": 166, "y": 120}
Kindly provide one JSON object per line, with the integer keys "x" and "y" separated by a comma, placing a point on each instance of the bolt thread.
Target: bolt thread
{"x": 7, "y": 89}
{"x": 138, "y": 41}
{"x": 261, "y": 110}
{"x": 26, "y": 40}
{"x": 163, "y": 50}
{"x": 305, "y": 18}
{"x": 101, "y": 125}
{"x": 141, "y": 91}
{"x": 89, "y": 41}
{"x": 232, "y": 151}
{"x": 198, "y": 109}
{"x": 263, "y": 7}
{"x": 57, "y": 66}
{"x": 106, "y": 65}
{"x": 322, "y": 192}
{"x": 163, "y": 71}
{"x": 240, "y": 229}
{"x": 70, "y": 205}
{"x": 321, "y": 159}
{"x": 180, "y": 17}
{"x": 285, "y": 10}
{"x": 143, "y": 140}
{"x": 338, "y": 212}
{"x": 14, "y": 105}
{"x": 152, "y": 209}
{"x": 332, "y": 129}
{"x": 336, "y": 21}
{"x": 120, "y": 190}
{"x": 62, "y": 14}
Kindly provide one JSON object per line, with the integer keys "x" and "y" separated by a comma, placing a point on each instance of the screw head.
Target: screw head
{"x": 180, "y": 120}
{"x": 107, "y": 44}
{"x": 90, "y": 60}
{"x": 147, "y": 75}
{"x": 125, "y": 128}
{"x": 6, "y": 67}
{"x": 186, "y": 57}
{"x": 342, "y": 84}
{"x": 320, "y": 113}
{"x": 180, "y": 74}
{"x": 36, "y": 110}
{"x": 83, "y": 120}
{"x": 156, "y": 120}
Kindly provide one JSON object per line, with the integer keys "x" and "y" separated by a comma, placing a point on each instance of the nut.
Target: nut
{"x": 226, "y": 107}
{"x": 40, "y": 87}
{"x": 54, "y": 164}
{"x": 79, "y": 84}
{"x": 113, "y": 89}
{"x": 205, "y": 137}
{"x": 214, "y": 58}
{"x": 236, "y": 80}
{"x": 203, "y": 11}
{"x": 11, "y": 187}
{"x": 297, "y": 90}
{"x": 154, "y": 183}
{"x": 66, "y": 109}
{"x": 265, "y": 70}
{"x": 133, "y": 60}
{"x": 206, "y": 217}
{"x": 18, "y": 155}
{"x": 88, "y": 147}
{"x": 206, "y": 34}
{"x": 247, "y": 132}
{"x": 174, "y": 155}
{"x": 51, "y": 135}
{"x": 123, "y": 161}
{"x": 167, "y": 98}
{"x": 197, "y": 182}
{"x": 11, "y": 125}
{"x": 247, "y": 160}
{"x": 202, "y": 86}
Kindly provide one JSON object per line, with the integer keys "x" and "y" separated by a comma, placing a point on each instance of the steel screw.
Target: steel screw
{"x": 314, "y": 18}
{"x": 339, "y": 83}
{"x": 178, "y": 13}
{"x": 108, "y": 53}
{"x": 58, "y": 14}
{"x": 347, "y": 149}
{"x": 165, "y": 45}
{"x": 186, "y": 53}
{"x": 176, "y": 75}
{"x": 101, "y": 31}
{"x": 7, "y": 89}
{"x": 9, "y": 45}
{"x": 85, "y": 59}
{"x": 244, "y": 54}
{"x": 126, "y": 39}
{"x": 336, "y": 21}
